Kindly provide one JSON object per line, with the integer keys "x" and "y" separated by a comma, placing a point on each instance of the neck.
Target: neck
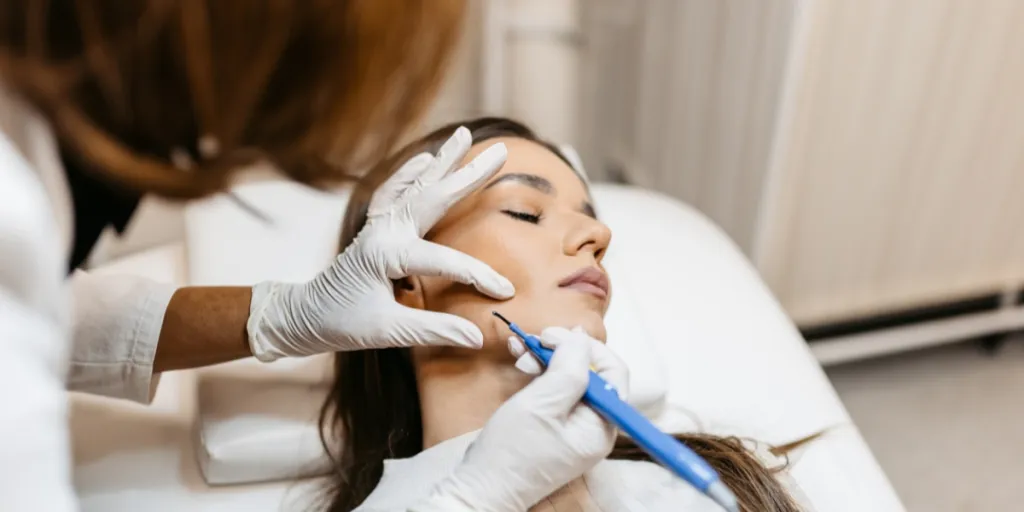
{"x": 459, "y": 394}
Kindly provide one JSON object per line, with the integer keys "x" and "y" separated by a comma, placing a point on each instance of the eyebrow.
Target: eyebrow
{"x": 530, "y": 180}
{"x": 540, "y": 184}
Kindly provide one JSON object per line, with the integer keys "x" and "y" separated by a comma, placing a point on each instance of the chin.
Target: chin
{"x": 589, "y": 316}
{"x": 590, "y": 320}
{"x": 595, "y": 328}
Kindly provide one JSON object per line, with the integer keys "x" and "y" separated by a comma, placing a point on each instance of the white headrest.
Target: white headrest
{"x": 258, "y": 431}
{"x": 229, "y": 246}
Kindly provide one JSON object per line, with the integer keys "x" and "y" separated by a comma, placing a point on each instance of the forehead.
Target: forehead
{"x": 528, "y": 157}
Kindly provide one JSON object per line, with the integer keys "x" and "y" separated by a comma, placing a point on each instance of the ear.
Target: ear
{"x": 409, "y": 292}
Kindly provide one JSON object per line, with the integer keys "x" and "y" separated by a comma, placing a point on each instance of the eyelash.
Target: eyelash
{"x": 523, "y": 216}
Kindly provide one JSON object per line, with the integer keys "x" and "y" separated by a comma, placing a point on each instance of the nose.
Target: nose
{"x": 588, "y": 236}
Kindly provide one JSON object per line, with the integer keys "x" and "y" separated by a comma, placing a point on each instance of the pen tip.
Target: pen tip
{"x": 503, "y": 319}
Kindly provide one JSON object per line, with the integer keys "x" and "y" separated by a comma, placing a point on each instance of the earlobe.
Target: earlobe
{"x": 409, "y": 292}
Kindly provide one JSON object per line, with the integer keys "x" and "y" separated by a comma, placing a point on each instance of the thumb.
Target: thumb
{"x": 525, "y": 361}
{"x": 610, "y": 367}
{"x": 430, "y": 259}
{"x": 562, "y": 385}
{"x": 415, "y": 328}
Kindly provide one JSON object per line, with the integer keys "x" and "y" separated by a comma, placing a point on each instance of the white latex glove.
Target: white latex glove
{"x": 541, "y": 439}
{"x": 351, "y": 304}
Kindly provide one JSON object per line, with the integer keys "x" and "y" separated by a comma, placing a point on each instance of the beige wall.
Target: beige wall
{"x": 685, "y": 98}
{"x": 459, "y": 97}
{"x": 900, "y": 161}
{"x": 518, "y": 58}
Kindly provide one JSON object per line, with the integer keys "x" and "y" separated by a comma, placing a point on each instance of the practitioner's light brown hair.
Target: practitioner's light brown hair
{"x": 373, "y": 410}
{"x": 319, "y": 88}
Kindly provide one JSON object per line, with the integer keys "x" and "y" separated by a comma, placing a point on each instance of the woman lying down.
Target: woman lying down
{"x": 405, "y": 417}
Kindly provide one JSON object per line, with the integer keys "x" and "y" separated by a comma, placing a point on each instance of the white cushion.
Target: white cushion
{"x": 711, "y": 306}
{"x": 738, "y": 365}
{"x": 229, "y": 246}
{"x": 241, "y": 439}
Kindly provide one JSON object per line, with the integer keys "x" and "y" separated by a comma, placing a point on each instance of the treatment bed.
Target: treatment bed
{"x": 707, "y": 344}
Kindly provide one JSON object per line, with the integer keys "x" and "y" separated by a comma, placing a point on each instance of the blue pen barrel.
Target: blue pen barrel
{"x": 543, "y": 353}
{"x": 663, "y": 448}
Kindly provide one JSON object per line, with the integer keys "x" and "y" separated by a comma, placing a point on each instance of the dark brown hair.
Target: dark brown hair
{"x": 373, "y": 410}
{"x": 320, "y": 88}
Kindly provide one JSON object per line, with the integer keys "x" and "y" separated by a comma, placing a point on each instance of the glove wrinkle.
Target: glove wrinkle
{"x": 351, "y": 304}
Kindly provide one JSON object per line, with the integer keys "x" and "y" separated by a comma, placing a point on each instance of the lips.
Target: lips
{"x": 588, "y": 280}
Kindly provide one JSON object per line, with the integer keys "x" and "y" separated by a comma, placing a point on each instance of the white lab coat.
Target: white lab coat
{"x": 85, "y": 333}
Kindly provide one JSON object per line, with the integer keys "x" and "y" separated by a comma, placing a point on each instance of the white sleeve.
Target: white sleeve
{"x": 35, "y": 472}
{"x": 117, "y": 321}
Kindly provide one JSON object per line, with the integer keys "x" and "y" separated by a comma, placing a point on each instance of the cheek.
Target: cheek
{"x": 517, "y": 252}
{"x": 520, "y": 264}
{"x": 529, "y": 257}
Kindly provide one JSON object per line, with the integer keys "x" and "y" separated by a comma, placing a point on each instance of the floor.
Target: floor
{"x": 946, "y": 424}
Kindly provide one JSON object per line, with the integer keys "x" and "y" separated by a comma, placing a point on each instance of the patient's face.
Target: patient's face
{"x": 534, "y": 224}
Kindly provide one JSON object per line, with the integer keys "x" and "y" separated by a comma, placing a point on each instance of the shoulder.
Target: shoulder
{"x": 406, "y": 481}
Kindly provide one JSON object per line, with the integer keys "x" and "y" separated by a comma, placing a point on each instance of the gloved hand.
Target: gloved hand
{"x": 539, "y": 440}
{"x": 351, "y": 304}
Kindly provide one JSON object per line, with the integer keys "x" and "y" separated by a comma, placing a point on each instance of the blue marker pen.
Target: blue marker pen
{"x": 663, "y": 448}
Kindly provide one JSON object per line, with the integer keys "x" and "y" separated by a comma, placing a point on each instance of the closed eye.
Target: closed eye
{"x": 523, "y": 216}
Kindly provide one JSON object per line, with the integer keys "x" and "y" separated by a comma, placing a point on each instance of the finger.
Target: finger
{"x": 529, "y": 365}
{"x": 526, "y": 362}
{"x": 610, "y": 367}
{"x": 389, "y": 192}
{"x": 516, "y": 347}
{"x": 563, "y": 383}
{"x": 435, "y": 260}
{"x": 604, "y": 363}
{"x": 552, "y": 337}
{"x": 584, "y": 422}
{"x": 417, "y": 328}
{"x": 433, "y": 202}
{"x": 450, "y": 154}
{"x": 603, "y": 360}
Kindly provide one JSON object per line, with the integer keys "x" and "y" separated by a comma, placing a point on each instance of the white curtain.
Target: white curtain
{"x": 684, "y": 96}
